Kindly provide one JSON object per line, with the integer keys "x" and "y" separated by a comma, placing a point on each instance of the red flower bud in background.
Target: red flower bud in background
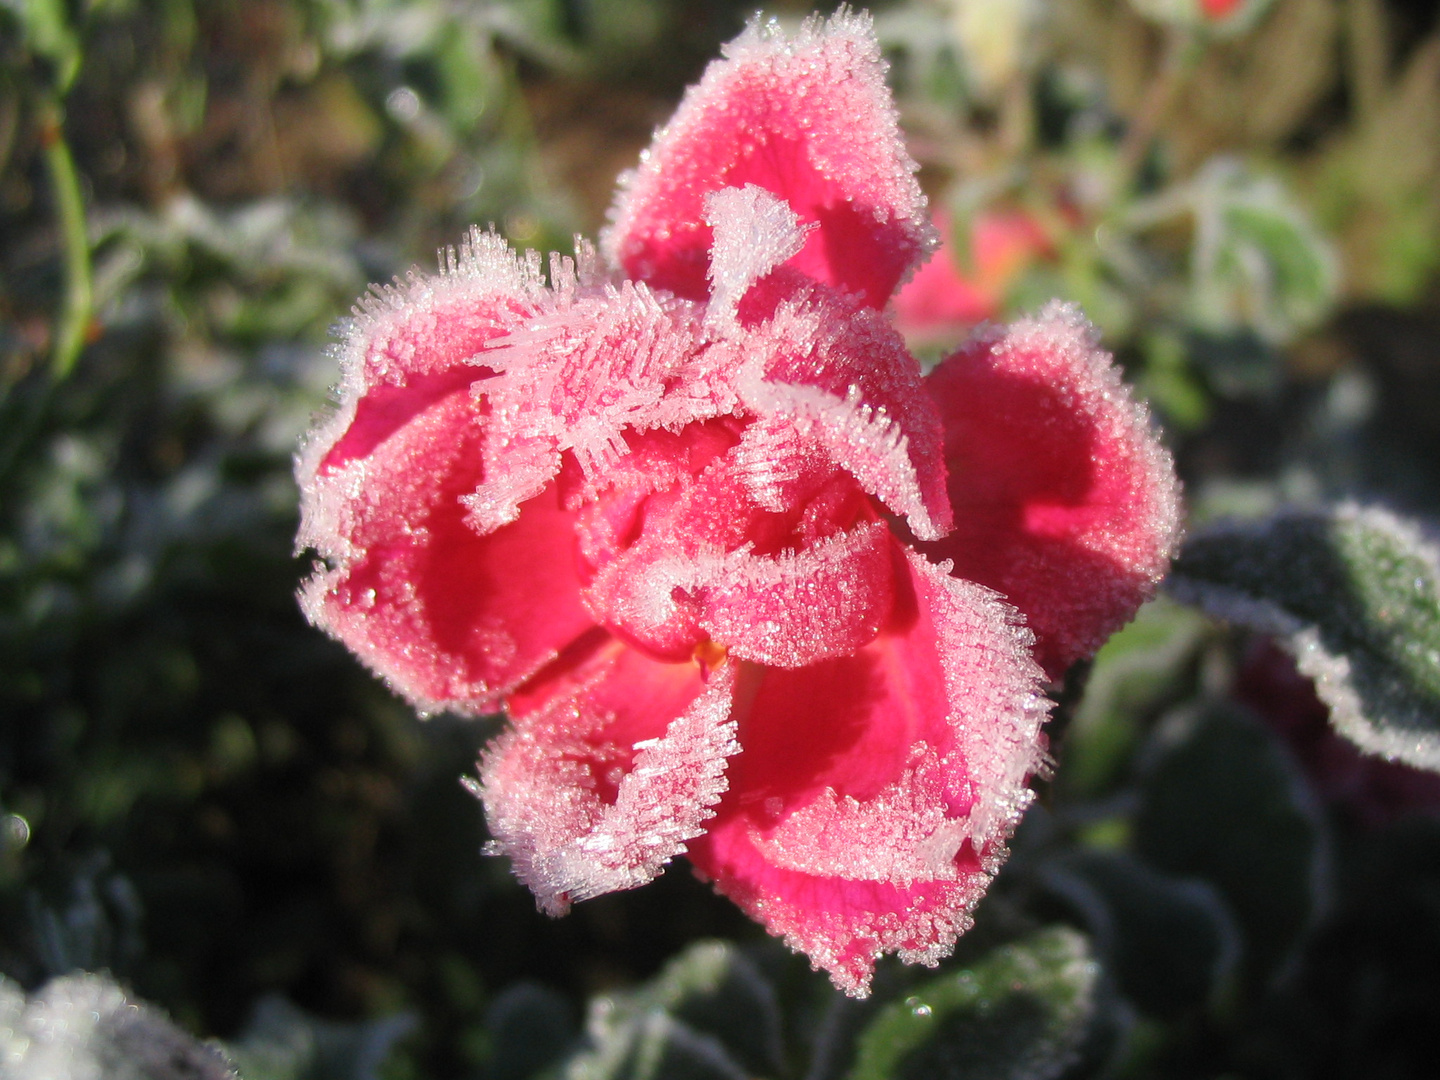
{"x": 952, "y": 293}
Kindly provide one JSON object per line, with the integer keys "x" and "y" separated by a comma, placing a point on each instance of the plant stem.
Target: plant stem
{"x": 1182, "y": 50}
{"x": 73, "y": 325}
{"x": 1367, "y": 55}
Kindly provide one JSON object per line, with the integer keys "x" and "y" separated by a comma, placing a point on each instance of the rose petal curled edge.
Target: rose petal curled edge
{"x": 538, "y": 781}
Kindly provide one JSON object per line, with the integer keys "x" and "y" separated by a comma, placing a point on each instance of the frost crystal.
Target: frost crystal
{"x": 668, "y": 520}
{"x": 84, "y": 1027}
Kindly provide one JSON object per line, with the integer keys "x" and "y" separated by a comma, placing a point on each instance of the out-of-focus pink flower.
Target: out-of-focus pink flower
{"x": 948, "y": 296}
{"x": 1371, "y": 790}
{"x": 1219, "y": 17}
{"x": 1219, "y": 9}
{"x": 688, "y": 520}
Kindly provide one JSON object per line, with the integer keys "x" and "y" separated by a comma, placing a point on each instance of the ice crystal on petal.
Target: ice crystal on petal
{"x": 992, "y": 682}
{"x": 877, "y": 790}
{"x": 802, "y": 606}
{"x": 841, "y": 376}
{"x": 754, "y": 233}
{"x": 582, "y": 374}
{"x": 901, "y": 835}
{"x": 515, "y": 469}
{"x": 568, "y": 843}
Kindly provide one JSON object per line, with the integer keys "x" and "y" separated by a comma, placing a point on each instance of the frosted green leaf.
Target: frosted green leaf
{"x": 709, "y": 1013}
{"x": 1021, "y": 1013}
{"x": 85, "y": 1027}
{"x": 655, "y": 1046}
{"x": 1257, "y": 258}
{"x": 1257, "y": 263}
{"x": 1354, "y": 595}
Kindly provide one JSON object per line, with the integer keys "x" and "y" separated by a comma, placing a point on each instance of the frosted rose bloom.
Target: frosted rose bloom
{"x": 730, "y": 565}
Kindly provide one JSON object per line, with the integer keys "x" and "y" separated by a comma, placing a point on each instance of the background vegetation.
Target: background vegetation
{"x": 207, "y": 799}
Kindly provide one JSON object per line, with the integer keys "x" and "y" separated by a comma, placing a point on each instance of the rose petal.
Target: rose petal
{"x": 606, "y": 781}
{"x": 448, "y": 617}
{"x": 409, "y": 587}
{"x": 413, "y": 342}
{"x": 876, "y": 790}
{"x": 754, "y": 232}
{"x": 827, "y": 371}
{"x": 845, "y": 926}
{"x": 1065, "y": 501}
{"x": 582, "y": 374}
{"x": 702, "y": 559}
{"x": 801, "y": 607}
{"x": 809, "y": 120}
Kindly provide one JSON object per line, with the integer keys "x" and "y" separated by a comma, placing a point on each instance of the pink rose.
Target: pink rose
{"x": 699, "y": 526}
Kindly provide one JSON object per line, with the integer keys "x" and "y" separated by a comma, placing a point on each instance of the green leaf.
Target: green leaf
{"x": 48, "y": 33}
{"x": 1171, "y": 942}
{"x": 1022, "y": 1012}
{"x": 1222, "y": 801}
{"x": 1136, "y": 673}
{"x": 530, "y": 1026}
{"x": 1257, "y": 260}
{"x": 709, "y": 1013}
{"x": 1354, "y": 595}
{"x": 655, "y": 1046}
{"x": 283, "y": 1042}
{"x": 1170, "y": 385}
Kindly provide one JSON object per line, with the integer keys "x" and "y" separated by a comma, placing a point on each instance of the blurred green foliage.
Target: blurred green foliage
{"x": 208, "y": 799}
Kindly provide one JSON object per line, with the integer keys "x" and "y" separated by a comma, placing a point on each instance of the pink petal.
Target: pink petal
{"x": 837, "y": 375}
{"x": 876, "y": 791}
{"x": 656, "y": 506}
{"x": 754, "y": 232}
{"x": 700, "y": 559}
{"x": 583, "y": 373}
{"x": 433, "y": 607}
{"x": 450, "y": 618}
{"x": 809, "y": 120}
{"x": 1065, "y": 501}
{"x": 614, "y": 505}
{"x": 413, "y": 342}
{"x": 590, "y": 375}
{"x": 845, "y": 926}
{"x": 801, "y": 607}
{"x": 606, "y": 781}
